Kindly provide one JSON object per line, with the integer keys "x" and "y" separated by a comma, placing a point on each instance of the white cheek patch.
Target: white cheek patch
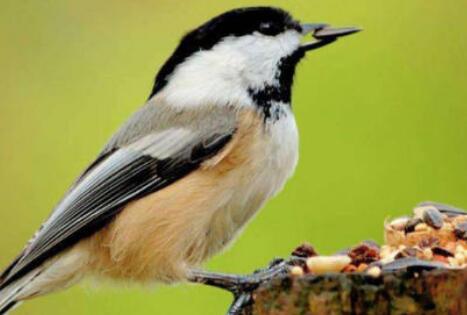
{"x": 223, "y": 74}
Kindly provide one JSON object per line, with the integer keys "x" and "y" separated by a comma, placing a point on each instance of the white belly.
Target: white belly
{"x": 277, "y": 156}
{"x": 273, "y": 160}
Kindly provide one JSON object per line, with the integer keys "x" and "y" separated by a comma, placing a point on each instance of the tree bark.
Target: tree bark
{"x": 401, "y": 292}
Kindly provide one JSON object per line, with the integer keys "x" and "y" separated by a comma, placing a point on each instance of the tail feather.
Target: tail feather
{"x": 9, "y": 298}
{"x": 8, "y": 307}
{"x": 6, "y": 271}
{"x": 12, "y": 294}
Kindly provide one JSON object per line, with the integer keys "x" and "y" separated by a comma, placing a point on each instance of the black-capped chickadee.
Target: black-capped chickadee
{"x": 180, "y": 179}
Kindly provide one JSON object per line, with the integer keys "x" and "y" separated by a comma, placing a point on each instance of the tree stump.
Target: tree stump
{"x": 441, "y": 291}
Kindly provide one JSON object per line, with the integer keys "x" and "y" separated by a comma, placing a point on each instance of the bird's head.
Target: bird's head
{"x": 238, "y": 54}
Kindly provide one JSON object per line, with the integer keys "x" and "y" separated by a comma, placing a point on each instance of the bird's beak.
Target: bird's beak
{"x": 324, "y": 34}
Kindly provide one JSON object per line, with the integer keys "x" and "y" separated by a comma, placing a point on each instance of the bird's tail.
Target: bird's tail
{"x": 9, "y": 298}
{"x": 12, "y": 294}
{"x": 8, "y": 307}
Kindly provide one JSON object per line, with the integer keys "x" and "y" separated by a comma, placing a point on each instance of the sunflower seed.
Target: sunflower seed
{"x": 411, "y": 224}
{"x": 446, "y": 209}
{"x": 461, "y": 231}
{"x": 442, "y": 251}
{"x": 412, "y": 263}
{"x": 433, "y": 218}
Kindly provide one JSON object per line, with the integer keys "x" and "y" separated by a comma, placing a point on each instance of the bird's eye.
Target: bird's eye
{"x": 267, "y": 28}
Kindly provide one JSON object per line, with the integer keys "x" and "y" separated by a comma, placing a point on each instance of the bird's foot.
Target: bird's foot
{"x": 242, "y": 286}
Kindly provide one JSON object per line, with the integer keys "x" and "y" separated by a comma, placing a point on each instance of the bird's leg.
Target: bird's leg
{"x": 241, "y": 286}
{"x": 239, "y": 283}
{"x": 241, "y": 305}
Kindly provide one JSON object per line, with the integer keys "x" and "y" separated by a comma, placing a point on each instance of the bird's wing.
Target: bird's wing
{"x": 130, "y": 168}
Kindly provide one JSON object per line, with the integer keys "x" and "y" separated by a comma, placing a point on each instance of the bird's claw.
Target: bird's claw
{"x": 242, "y": 286}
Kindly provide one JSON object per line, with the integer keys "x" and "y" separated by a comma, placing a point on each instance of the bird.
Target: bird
{"x": 181, "y": 178}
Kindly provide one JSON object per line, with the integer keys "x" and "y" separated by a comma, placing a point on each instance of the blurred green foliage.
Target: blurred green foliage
{"x": 382, "y": 118}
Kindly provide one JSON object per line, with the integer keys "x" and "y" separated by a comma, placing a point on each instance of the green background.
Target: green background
{"x": 382, "y": 118}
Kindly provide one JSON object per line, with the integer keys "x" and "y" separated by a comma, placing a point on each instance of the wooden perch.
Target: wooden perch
{"x": 401, "y": 292}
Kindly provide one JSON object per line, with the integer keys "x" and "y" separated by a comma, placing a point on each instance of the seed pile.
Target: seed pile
{"x": 434, "y": 237}
{"x": 435, "y": 233}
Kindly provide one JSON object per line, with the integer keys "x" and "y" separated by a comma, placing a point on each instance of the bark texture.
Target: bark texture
{"x": 402, "y": 292}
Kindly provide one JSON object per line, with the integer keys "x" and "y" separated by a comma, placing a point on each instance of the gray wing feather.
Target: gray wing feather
{"x": 152, "y": 150}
